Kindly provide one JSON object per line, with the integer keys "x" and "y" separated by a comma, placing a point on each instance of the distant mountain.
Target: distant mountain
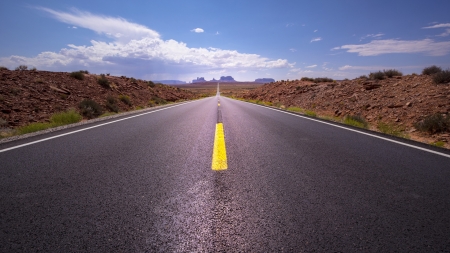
{"x": 199, "y": 80}
{"x": 170, "y": 82}
{"x": 227, "y": 79}
{"x": 264, "y": 80}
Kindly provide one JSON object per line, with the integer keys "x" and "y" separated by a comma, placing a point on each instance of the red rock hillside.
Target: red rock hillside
{"x": 400, "y": 101}
{"x": 33, "y": 96}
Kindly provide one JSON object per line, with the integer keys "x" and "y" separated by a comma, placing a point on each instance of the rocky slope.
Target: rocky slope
{"x": 400, "y": 101}
{"x": 33, "y": 96}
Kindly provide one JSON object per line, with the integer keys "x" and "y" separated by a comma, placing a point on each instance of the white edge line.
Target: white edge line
{"x": 87, "y": 128}
{"x": 353, "y": 130}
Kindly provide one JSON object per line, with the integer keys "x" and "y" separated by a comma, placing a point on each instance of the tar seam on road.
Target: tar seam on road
{"x": 87, "y": 128}
{"x": 219, "y": 158}
{"x": 356, "y": 131}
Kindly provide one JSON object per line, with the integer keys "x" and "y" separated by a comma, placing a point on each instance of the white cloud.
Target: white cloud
{"x": 438, "y": 26}
{"x": 375, "y": 68}
{"x": 217, "y": 33}
{"x": 316, "y": 39}
{"x": 197, "y": 30}
{"x": 103, "y": 25}
{"x": 371, "y": 36}
{"x": 312, "y": 66}
{"x": 444, "y": 34}
{"x": 378, "y": 47}
{"x": 293, "y": 50}
{"x": 316, "y": 30}
{"x": 146, "y": 54}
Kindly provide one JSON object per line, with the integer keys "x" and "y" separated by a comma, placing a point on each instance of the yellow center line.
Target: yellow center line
{"x": 219, "y": 160}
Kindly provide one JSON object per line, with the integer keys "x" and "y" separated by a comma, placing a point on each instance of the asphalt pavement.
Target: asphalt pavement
{"x": 292, "y": 184}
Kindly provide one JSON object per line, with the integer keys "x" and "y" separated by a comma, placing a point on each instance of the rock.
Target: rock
{"x": 408, "y": 104}
{"x": 371, "y": 85}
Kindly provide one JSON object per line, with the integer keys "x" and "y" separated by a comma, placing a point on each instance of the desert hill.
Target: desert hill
{"x": 28, "y": 96}
{"x": 398, "y": 102}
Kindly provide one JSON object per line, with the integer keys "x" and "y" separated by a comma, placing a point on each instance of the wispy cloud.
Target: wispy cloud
{"x": 293, "y": 49}
{"x": 289, "y": 24}
{"x": 316, "y": 39}
{"x": 378, "y": 47}
{"x": 316, "y": 30}
{"x": 444, "y": 34}
{"x": 438, "y": 26}
{"x": 138, "y": 50}
{"x": 118, "y": 28}
{"x": 217, "y": 33}
{"x": 372, "y": 36}
{"x": 197, "y": 30}
{"x": 312, "y": 66}
{"x": 375, "y": 68}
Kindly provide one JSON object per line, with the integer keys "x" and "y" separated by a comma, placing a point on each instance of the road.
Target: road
{"x": 145, "y": 184}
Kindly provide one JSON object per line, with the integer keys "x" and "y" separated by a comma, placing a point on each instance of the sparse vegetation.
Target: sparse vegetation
{"x": 84, "y": 71}
{"x": 65, "y": 118}
{"x": 57, "y": 119}
{"x": 111, "y": 104}
{"x": 158, "y": 100}
{"x": 22, "y": 68}
{"x": 106, "y": 114}
{"x": 435, "y": 123}
{"x": 3, "y": 68}
{"x": 295, "y": 109}
{"x": 103, "y": 81}
{"x": 391, "y": 130}
{"x": 90, "y": 109}
{"x": 310, "y": 113}
{"x": 363, "y": 77}
{"x": 33, "y": 127}
{"x": 307, "y": 79}
{"x": 439, "y": 144}
{"x": 33, "y": 69}
{"x": 377, "y": 75}
{"x": 392, "y": 72}
{"x": 151, "y": 84}
{"x": 431, "y": 70}
{"x": 442, "y": 77}
{"x": 355, "y": 120}
{"x": 125, "y": 99}
{"x": 77, "y": 75}
{"x": 323, "y": 80}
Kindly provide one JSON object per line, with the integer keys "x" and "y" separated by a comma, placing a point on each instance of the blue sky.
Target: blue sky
{"x": 181, "y": 39}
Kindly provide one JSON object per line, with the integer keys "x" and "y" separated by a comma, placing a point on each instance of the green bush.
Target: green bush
{"x": 151, "y": 84}
{"x": 377, "y": 75}
{"x": 33, "y": 127}
{"x": 323, "y": 80}
{"x": 307, "y": 79}
{"x": 84, "y": 71}
{"x": 77, "y": 75}
{"x": 355, "y": 120}
{"x": 111, "y": 104}
{"x": 391, "y": 130}
{"x": 90, "y": 109}
{"x": 125, "y": 99}
{"x": 65, "y": 118}
{"x": 103, "y": 81}
{"x": 22, "y": 67}
{"x": 435, "y": 123}
{"x": 392, "y": 72}
{"x": 310, "y": 113}
{"x": 431, "y": 70}
{"x": 3, "y": 68}
{"x": 363, "y": 77}
{"x": 295, "y": 109}
{"x": 442, "y": 77}
{"x": 158, "y": 100}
